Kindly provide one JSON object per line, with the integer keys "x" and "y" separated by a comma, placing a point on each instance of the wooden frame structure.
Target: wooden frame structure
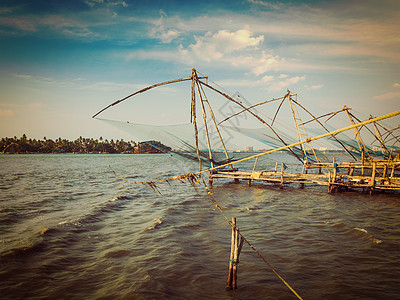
{"x": 372, "y": 174}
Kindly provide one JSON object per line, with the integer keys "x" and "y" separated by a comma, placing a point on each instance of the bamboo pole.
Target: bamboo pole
{"x": 231, "y": 257}
{"x": 390, "y": 115}
{"x": 141, "y": 91}
{"x": 316, "y": 119}
{"x": 279, "y": 107}
{"x": 334, "y": 169}
{"x": 215, "y": 124}
{"x": 254, "y": 115}
{"x": 303, "y": 149}
{"x": 304, "y": 129}
{"x": 250, "y": 107}
{"x": 236, "y": 247}
{"x": 378, "y": 136}
{"x": 193, "y": 109}
{"x": 372, "y": 184}
{"x": 357, "y": 133}
{"x": 205, "y": 123}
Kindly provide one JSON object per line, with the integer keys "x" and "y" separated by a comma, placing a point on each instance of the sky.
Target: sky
{"x": 63, "y": 61}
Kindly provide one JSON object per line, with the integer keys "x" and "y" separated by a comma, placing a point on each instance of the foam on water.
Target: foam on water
{"x": 157, "y": 221}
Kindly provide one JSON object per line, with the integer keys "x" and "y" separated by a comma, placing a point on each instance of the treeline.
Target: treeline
{"x": 80, "y": 145}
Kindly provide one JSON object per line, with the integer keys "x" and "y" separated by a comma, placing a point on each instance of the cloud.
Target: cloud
{"x": 36, "y": 106}
{"x": 266, "y": 79}
{"x": 92, "y": 3}
{"x": 396, "y": 85}
{"x": 387, "y": 96}
{"x": 6, "y": 113}
{"x": 314, "y": 87}
{"x": 275, "y": 6}
{"x": 22, "y": 23}
{"x": 218, "y": 45}
{"x": 238, "y": 48}
{"x": 161, "y": 30}
{"x": 107, "y": 86}
{"x": 40, "y": 79}
{"x": 279, "y": 86}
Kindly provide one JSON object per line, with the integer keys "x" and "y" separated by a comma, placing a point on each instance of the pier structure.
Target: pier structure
{"x": 372, "y": 175}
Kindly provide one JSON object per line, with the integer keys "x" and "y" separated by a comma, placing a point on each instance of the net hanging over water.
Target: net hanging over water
{"x": 214, "y": 136}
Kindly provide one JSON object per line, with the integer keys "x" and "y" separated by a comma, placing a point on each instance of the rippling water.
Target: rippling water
{"x": 69, "y": 229}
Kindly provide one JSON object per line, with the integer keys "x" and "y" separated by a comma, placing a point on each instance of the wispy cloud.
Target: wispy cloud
{"x": 6, "y": 113}
{"x": 281, "y": 85}
{"x": 48, "y": 81}
{"x": 77, "y": 83}
{"x": 36, "y": 106}
{"x": 267, "y": 4}
{"x": 107, "y": 86}
{"x": 162, "y": 31}
{"x": 21, "y": 23}
{"x": 388, "y": 96}
{"x": 268, "y": 82}
{"x": 93, "y": 3}
{"x": 314, "y": 87}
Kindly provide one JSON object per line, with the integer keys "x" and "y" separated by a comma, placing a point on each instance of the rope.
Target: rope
{"x": 191, "y": 175}
{"x": 194, "y": 180}
{"x": 247, "y": 241}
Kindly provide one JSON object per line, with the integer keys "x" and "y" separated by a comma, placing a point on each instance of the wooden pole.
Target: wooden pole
{"x": 288, "y": 146}
{"x": 193, "y": 116}
{"x": 236, "y": 248}
{"x": 332, "y": 179}
{"x": 216, "y": 125}
{"x": 372, "y": 184}
{"x": 256, "y": 116}
{"x": 303, "y": 149}
{"x": 205, "y": 124}
{"x": 235, "y": 260}
{"x": 231, "y": 257}
{"x": 316, "y": 119}
{"x": 334, "y": 169}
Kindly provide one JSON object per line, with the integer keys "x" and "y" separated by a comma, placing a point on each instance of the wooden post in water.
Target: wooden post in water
{"x": 332, "y": 178}
{"x": 236, "y": 248}
{"x": 372, "y": 184}
{"x": 282, "y": 185}
{"x": 334, "y": 169}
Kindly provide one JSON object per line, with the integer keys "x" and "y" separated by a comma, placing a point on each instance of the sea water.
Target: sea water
{"x": 71, "y": 229}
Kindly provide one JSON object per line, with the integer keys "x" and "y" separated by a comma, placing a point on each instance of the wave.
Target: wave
{"x": 157, "y": 222}
{"x": 356, "y": 232}
{"x": 367, "y": 236}
{"x": 18, "y": 247}
{"x": 115, "y": 203}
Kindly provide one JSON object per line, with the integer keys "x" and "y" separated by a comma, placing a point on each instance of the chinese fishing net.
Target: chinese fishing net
{"x": 227, "y": 127}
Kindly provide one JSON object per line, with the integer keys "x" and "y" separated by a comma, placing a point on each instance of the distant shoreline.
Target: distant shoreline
{"x": 81, "y": 145}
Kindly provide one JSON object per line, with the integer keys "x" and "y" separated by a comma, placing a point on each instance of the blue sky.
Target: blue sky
{"x": 62, "y": 61}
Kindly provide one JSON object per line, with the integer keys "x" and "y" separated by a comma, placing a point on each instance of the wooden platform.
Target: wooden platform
{"x": 371, "y": 175}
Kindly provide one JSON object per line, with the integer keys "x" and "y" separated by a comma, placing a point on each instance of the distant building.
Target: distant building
{"x": 249, "y": 148}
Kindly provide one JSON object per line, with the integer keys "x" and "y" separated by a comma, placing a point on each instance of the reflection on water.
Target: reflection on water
{"x": 70, "y": 229}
